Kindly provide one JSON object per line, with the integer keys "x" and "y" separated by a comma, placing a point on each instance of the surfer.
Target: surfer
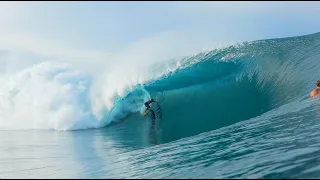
{"x": 147, "y": 104}
{"x": 316, "y": 92}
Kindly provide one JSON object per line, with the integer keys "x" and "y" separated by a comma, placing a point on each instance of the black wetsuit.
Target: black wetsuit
{"x": 147, "y": 104}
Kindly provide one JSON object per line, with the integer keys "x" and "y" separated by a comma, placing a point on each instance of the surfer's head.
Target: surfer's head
{"x": 318, "y": 83}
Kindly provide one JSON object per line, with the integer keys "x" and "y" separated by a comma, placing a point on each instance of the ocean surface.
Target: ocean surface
{"x": 241, "y": 111}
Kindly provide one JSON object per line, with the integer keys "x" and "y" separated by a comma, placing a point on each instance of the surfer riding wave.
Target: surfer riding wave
{"x": 147, "y": 104}
{"x": 155, "y": 111}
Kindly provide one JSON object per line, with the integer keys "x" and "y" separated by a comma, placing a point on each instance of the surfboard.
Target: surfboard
{"x": 144, "y": 111}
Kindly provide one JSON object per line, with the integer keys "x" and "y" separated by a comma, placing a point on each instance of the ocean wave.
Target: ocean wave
{"x": 198, "y": 93}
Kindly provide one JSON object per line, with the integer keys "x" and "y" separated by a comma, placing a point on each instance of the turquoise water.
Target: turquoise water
{"x": 237, "y": 112}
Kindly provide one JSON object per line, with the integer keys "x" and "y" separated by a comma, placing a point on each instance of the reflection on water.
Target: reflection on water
{"x": 36, "y": 154}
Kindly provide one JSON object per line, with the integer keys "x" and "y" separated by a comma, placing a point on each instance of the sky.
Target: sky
{"x": 140, "y": 32}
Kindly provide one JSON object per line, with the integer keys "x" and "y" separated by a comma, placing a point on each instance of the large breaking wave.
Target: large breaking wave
{"x": 197, "y": 93}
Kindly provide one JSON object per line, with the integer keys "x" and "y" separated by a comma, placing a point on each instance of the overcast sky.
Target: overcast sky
{"x": 106, "y": 31}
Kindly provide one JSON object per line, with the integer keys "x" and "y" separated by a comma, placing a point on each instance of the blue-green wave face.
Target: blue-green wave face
{"x": 218, "y": 88}
{"x": 196, "y": 94}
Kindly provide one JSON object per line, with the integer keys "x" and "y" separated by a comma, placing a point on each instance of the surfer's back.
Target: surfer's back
{"x": 316, "y": 92}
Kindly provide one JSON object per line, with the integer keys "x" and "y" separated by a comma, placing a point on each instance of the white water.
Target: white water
{"x": 51, "y": 95}
{"x": 46, "y": 96}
